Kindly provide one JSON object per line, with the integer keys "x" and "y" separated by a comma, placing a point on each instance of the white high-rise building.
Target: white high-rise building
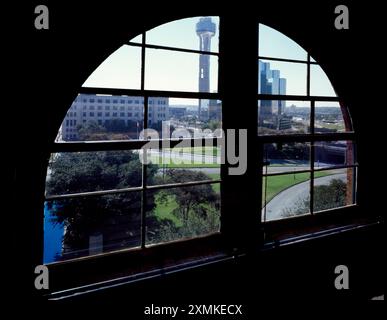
{"x": 103, "y": 108}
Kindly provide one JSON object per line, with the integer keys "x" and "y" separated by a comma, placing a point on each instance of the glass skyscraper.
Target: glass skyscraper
{"x": 270, "y": 82}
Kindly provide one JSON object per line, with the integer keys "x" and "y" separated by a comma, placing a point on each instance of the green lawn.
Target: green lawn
{"x": 338, "y": 126}
{"x": 214, "y": 176}
{"x": 164, "y": 209}
{"x": 196, "y": 150}
{"x": 215, "y": 186}
{"x": 186, "y": 163}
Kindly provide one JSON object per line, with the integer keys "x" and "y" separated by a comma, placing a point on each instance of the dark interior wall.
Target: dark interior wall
{"x": 48, "y": 66}
{"x": 302, "y": 274}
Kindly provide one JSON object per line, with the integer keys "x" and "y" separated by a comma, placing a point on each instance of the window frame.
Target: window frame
{"x": 310, "y": 137}
{"x": 145, "y": 95}
{"x": 222, "y": 242}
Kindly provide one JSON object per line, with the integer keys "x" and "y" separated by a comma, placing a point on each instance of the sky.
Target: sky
{"x": 178, "y": 71}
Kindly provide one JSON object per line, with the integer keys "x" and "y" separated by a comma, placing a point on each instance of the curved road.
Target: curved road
{"x": 287, "y": 198}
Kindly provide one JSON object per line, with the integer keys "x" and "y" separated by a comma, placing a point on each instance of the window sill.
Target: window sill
{"x": 115, "y": 268}
{"x": 307, "y": 225}
{"x": 121, "y": 268}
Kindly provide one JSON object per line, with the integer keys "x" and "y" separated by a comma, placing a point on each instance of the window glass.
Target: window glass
{"x": 334, "y": 153}
{"x": 283, "y": 117}
{"x": 186, "y": 34}
{"x": 175, "y": 193}
{"x": 185, "y": 118}
{"x": 181, "y": 70}
{"x": 184, "y": 164}
{"x": 274, "y": 44}
{"x": 183, "y": 212}
{"x": 334, "y": 190}
{"x": 286, "y": 157}
{"x": 79, "y": 227}
{"x": 74, "y": 172}
{"x": 278, "y": 77}
{"x": 319, "y": 82}
{"x": 285, "y": 195}
{"x": 331, "y": 117}
{"x": 112, "y": 126}
{"x": 122, "y": 69}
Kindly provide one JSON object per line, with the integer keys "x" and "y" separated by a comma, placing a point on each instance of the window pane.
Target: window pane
{"x": 334, "y": 190}
{"x": 117, "y": 118}
{"x": 331, "y": 117}
{"x": 277, "y": 77}
{"x": 137, "y": 39}
{"x": 283, "y": 117}
{"x": 183, "y": 164}
{"x": 184, "y": 212}
{"x": 319, "y": 82}
{"x": 74, "y": 172}
{"x": 87, "y": 226}
{"x": 179, "y": 71}
{"x": 186, "y": 118}
{"x": 287, "y": 157}
{"x": 275, "y": 44}
{"x": 122, "y": 69}
{"x": 334, "y": 153}
{"x": 184, "y": 34}
{"x": 285, "y": 195}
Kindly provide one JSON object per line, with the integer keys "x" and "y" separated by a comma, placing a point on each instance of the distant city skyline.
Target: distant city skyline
{"x": 177, "y": 71}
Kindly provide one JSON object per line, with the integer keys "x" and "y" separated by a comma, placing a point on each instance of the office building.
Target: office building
{"x": 271, "y": 83}
{"x": 102, "y": 109}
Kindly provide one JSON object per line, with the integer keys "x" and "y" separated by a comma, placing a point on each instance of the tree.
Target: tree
{"x": 325, "y": 197}
{"x": 212, "y": 125}
{"x": 197, "y": 207}
{"x": 91, "y": 130}
{"x": 288, "y": 151}
{"x": 158, "y": 126}
{"x": 117, "y": 217}
{"x": 330, "y": 196}
{"x": 114, "y": 129}
{"x": 190, "y": 198}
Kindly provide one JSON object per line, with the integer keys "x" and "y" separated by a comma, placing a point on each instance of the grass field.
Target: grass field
{"x": 209, "y": 151}
{"x": 168, "y": 162}
{"x": 215, "y": 186}
{"x": 332, "y": 126}
{"x": 164, "y": 209}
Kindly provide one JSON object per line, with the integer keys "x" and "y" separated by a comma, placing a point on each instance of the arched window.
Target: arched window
{"x": 102, "y": 196}
{"x": 309, "y": 164}
{"x": 105, "y": 192}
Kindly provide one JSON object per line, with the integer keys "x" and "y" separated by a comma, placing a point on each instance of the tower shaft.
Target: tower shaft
{"x": 205, "y": 29}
